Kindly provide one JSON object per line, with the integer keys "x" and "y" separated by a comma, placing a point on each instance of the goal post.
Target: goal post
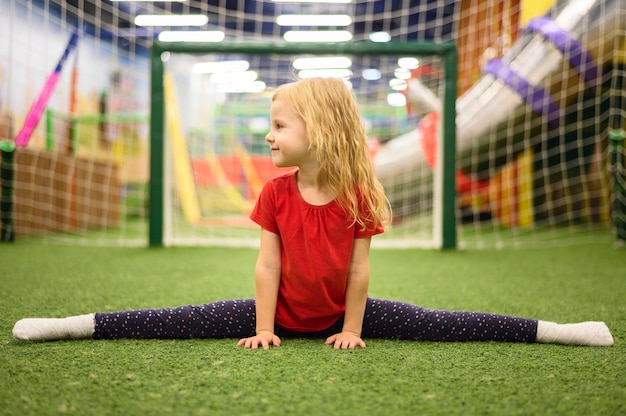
{"x": 443, "y": 180}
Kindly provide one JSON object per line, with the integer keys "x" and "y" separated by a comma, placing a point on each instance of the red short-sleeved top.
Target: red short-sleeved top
{"x": 316, "y": 244}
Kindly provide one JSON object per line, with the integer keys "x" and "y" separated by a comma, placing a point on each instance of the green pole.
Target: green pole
{"x": 7, "y": 149}
{"x": 157, "y": 113}
{"x": 294, "y": 48}
{"x": 449, "y": 151}
{"x": 73, "y": 139}
{"x": 619, "y": 185}
{"x": 49, "y": 130}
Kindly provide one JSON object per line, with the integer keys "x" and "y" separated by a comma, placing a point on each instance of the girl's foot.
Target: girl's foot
{"x": 51, "y": 329}
{"x": 595, "y": 334}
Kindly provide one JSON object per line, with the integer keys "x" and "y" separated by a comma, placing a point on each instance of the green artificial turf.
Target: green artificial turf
{"x": 305, "y": 377}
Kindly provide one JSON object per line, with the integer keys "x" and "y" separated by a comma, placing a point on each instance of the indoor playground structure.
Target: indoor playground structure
{"x": 559, "y": 86}
{"x": 539, "y": 123}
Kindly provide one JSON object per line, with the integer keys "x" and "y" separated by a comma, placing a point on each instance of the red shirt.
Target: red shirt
{"x": 316, "y": 246}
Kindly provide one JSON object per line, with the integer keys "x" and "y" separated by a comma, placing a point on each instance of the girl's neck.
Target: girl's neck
{"x": 307, "y": 178}
{"x": 311, "y": 190}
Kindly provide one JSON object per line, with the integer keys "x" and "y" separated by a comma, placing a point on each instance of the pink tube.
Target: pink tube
{"x": 34, "y": 115}
{"x": 35, "y": 112}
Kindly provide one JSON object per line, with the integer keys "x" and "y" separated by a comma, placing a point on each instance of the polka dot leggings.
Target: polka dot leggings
{"x": 383, "y": 319}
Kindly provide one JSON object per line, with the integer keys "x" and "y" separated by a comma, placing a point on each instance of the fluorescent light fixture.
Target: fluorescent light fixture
{"x": 313, "y": 20}
{"x": 380, "y": 37}
{"x": 402, "y": 73}
{"x": 372, "y": 74}
{"x": 325, "y": 73}
{"x": 221, "y": 66}
{"x": 396, "y": 99}
{"x": 171, "y": 20}
{"x": 192, "y": 36}
{"x": 153, "y": 1}
{"x": 408, "y": 63}
{"x": 320, "y": 36}
{"x": 259, "y": 124}
{"x": 313, "y": 1}
{"x": 323, "y": 62}
{"x": 238, "y": 87}
{"x": 234, "y": 77}
{"x": 398, "y": 84}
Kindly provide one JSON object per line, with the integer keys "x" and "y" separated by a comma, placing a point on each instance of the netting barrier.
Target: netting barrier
{"x": 539, "y": 95}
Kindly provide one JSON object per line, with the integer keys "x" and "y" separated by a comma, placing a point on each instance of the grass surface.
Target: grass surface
{"x": 214, "y": 377}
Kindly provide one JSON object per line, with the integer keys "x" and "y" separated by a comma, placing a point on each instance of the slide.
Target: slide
{"x": 178, "y": 146}
{"x": 556, "y": 50}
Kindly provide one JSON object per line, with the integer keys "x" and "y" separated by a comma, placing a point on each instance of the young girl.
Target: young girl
{"x": 312, "y": 272}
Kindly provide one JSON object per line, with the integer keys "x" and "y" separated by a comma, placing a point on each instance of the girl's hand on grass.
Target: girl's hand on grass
{"x": 345, "y": 340}
{"x": 263, "y": 339}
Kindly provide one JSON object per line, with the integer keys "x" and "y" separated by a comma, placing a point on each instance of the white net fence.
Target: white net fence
{"x": 541, "y": 90}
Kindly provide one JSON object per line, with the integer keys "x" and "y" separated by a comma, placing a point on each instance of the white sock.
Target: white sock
{"x": 595, "y": 334}
{"x": 51, "y": 329}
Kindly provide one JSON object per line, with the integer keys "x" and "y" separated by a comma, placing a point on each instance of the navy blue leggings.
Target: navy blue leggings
{"x": 383, "y": 319}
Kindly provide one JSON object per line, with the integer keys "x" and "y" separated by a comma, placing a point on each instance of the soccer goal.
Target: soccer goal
{"x": 209, "y": 117}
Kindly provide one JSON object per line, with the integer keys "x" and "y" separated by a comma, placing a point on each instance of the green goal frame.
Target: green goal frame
{"x": 445, "y": 188}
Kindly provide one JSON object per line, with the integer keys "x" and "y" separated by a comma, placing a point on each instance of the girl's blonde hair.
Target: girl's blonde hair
{"x": 337, "y": 138}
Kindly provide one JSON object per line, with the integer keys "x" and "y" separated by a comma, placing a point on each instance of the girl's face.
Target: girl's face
{"x": 287, "y": 136}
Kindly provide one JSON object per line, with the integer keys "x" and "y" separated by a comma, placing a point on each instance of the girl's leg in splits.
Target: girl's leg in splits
{"x": 222, "y": 319}
{"x": 389, "y": 319}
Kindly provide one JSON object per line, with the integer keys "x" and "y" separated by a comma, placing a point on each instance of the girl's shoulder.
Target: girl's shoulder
{"x": 282, "y": 178}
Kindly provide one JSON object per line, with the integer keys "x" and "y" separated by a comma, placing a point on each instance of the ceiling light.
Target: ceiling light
{"x": 221, "y": 66}
{"x": 408, "y": 63}
{"x": 380, "y": 37}
{"x": 398, "y": 84}
{"x": 313, "y": 1}
{"x": 396, "y": 99}
{"x": 372, "y": 74}
{"x": 192, "y": 36}
{"x": 171, "y": 20}
{"x": 234, "y": 77}
{"x": 402, "y": 73}
{"x": 317, "y": 36}
{"x": 313, "y": 20}
{"x": 325, "y": 73}
{"x": 259, "y": 125}
{"x": 238, "y": 87}
{"x": 164, "y": 1}
{"x": 323, "y": 62}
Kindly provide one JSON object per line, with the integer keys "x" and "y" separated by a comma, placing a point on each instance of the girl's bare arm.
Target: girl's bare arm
{"x": 267, "y": 278}
{"x": 356, "y": 297}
